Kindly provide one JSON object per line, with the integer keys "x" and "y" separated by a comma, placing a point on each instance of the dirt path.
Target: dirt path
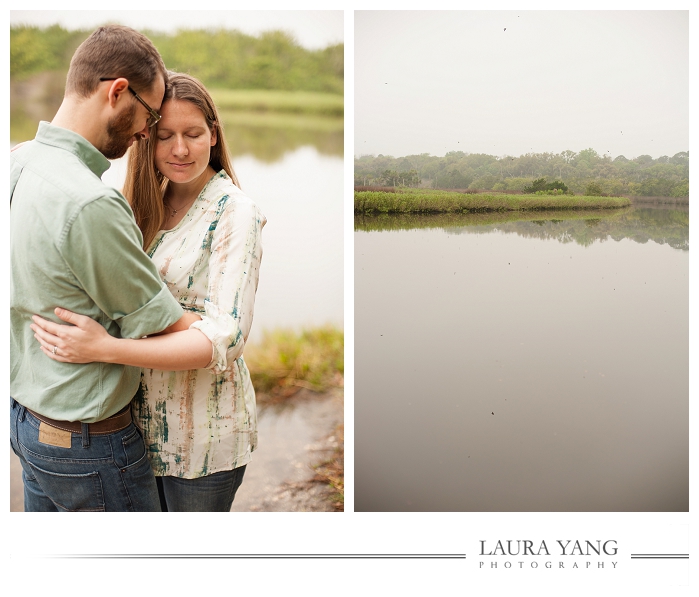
{"x": 280, "y": 477}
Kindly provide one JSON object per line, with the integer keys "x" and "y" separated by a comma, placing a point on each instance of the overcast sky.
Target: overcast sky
{"x": 509, "y": 83}
{"x": 311, "y": 29}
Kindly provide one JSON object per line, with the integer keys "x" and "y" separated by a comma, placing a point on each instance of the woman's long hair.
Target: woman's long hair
{"x": 145, "y": 186}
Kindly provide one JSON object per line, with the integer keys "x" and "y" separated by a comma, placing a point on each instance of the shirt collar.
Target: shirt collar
{"x": 76, "y": 144}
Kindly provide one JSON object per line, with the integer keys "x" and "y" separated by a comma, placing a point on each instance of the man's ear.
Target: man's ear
{"x": 116, "y": 90}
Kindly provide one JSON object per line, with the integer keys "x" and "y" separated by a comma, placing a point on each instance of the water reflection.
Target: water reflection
{"x": 270, "y": 144}
{"x": 522, "y": 366}
{"x": 641, "y": 224}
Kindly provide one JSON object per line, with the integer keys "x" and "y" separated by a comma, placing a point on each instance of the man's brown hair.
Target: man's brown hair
{"x": 114, "y": 51}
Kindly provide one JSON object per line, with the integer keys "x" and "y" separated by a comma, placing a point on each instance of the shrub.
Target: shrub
{"x": 557, "y": 185}
{"x": 593, "y": 189}
{"x": 540, "y": 185}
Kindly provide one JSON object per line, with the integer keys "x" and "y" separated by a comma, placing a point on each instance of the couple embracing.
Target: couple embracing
{"x": 130, "y": 312}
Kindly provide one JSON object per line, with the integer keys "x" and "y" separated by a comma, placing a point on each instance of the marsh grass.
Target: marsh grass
{"x": 281, "y": 120}
{"x": 269, "y": 100}
{"x": 286, "y": 361}
{"x": 428, "y": 201}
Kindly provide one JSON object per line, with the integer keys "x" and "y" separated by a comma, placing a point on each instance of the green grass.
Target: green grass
{"x": 282, "y": 120}
{"x": 285, "y": 361}
{"x": 263, "y": 100}
{"x": 428, "y": 201}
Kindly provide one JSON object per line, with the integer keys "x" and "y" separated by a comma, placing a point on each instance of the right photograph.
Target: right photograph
{"x": 521, "y": 238}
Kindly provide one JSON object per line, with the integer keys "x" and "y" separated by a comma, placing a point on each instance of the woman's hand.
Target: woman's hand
{"x": 85, "y": 341}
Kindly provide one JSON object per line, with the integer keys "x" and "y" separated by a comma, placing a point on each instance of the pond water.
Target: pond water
{"x": 522, "y": 365}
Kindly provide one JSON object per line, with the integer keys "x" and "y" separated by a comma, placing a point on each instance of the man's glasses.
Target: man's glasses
{"x": 154, "y": 117}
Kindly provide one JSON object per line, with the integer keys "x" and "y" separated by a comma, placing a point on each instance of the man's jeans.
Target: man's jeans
{"x": 109, "y": 474}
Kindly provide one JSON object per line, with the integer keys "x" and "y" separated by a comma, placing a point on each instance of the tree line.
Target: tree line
{"x": 639, "y": 176}
{"x": 220, "y": 58}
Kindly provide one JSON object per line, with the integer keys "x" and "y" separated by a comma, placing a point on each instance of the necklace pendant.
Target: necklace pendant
{"x": 173, "y": 212}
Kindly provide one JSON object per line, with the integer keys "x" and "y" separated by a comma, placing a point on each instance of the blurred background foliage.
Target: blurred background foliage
{"x": 273, "y": 94}
{"x": 220, "y": 58}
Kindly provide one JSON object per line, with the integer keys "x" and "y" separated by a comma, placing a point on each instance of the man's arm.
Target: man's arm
{"x": 103, "y": 250}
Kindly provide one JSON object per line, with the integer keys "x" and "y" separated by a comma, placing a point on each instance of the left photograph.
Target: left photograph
{"x": 176, "y": 261}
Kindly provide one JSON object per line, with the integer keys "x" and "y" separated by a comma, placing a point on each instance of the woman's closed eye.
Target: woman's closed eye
{"x": 188, "y": 135}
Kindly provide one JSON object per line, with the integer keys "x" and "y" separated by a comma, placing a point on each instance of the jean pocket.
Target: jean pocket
{"x": 134, "y": 448}
{"x": 79, "y": 492}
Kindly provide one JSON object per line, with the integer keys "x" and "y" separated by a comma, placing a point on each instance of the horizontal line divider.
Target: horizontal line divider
{"x": 269, "y": 556}
{"x": 659, "y": 557}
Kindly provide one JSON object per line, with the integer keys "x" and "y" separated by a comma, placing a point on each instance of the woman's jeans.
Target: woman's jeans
{"x": 212, "y": 493}
{"x": 107, "y": 473}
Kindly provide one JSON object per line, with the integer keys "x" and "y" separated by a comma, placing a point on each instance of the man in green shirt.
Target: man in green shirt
{"x": 75, "y": 244}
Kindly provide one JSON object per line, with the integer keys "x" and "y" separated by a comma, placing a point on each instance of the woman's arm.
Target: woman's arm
{"x": 181, "y": 324}
{"x": 86, "y": 341}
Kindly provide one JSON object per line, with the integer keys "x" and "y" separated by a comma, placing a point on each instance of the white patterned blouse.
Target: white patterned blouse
{"x": 204, "y": 421}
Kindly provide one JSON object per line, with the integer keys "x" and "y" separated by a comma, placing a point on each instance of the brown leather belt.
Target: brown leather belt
{"x": 116, "y": 422}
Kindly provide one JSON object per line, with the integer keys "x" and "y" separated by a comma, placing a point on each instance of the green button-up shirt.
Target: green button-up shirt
{"x": 75, "y": 244}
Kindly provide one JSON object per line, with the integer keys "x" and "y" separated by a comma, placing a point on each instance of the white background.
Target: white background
{"x": 34, "y": 542}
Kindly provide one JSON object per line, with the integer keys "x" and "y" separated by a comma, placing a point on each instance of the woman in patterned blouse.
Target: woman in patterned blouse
{"x": 197, "y": 405}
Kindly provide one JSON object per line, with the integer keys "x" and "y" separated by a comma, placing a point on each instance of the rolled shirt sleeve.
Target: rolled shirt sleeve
{"x": 234, "y": 266}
